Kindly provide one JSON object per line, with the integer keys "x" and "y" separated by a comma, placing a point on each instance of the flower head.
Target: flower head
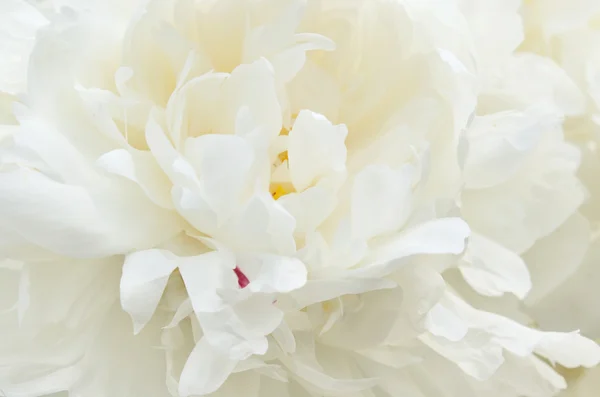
{"x": 273, "y": 197}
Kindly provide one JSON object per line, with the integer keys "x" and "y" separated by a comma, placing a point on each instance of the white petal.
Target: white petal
{"x": 106, "y": 108}
{"x": 493, "y": 270}
{"x": 36, "y": 141}
{"x": 245, "y": 383}
{"x": 59, "y": 217}
{"x": 187, "y": 194}
{"x": 278, "y": 42}
{"x": 192, "y": 206}
{"x": 183, "y": 311}
{"x": 274, "y": 273}
{"x": 285, "y": 338}
{"x": 309, "y": 207}
{"x": 440, "y": 236}
{"x": 121, "y": 374}
{"x": 289, "y": 62}
{"x": 262, "y": 225}
{"x": 570, "y": 350}
{"x": 252, "y": 86}
{"x": 555, "y": 258}
{"x": 141, "y": 168}
{"x": 527, "y": 207}
{"x": 192, "y": 109}
{"x": 474, "y": 354}
{"x": 381, "y": 200}
{"x": 19, "y": 22}
{"x": 313, "y": 88}
{"x": 367, "y": 321}
{"x": 528, "y": 78}
{"x": 443, "y": 322}
{"x": 567, "y": 307}
{"x": 240, "y": 329}
{"x": 205, "y": 371}
{"x": 204, "y": 276}
{"x": 145, "y": 276}
{"x": 327, "y": 383}
{"x": 223, "y": 164}
{"x": 588, "y": 385}
{"x": 54, "y": 382}
{"x": 499, "y": 144}
{"x": 315, "y": 149}
{"x": 316, "y": 291}
{"x": 173, "y": 164}
{"x": 422, "y": 288}
{"x": 496, "y": 26}
{"x": 266, "y": 40}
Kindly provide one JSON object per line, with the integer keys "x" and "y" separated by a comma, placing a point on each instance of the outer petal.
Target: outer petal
{"x": 68, "y": 219}
{"x": 121, "y": 374}
{"x": 78, "y": 301}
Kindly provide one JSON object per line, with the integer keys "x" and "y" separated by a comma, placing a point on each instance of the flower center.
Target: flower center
{"x": 278, "y": 189}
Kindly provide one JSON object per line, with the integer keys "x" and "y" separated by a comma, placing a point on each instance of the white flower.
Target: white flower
{"x": 272, "y": 197}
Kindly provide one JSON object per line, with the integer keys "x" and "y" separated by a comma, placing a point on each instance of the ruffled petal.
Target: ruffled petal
{"x": 381, "y": 200}
{"x": 316, "y": 149}
{"x": 493, "y": 270}
{"x": 206, "y": 369}
{"x": 145, "y": 276}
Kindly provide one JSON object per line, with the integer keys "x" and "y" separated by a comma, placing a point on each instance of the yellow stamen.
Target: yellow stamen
{"x": 280, "y": 189}
{"x": 283, "y": 156}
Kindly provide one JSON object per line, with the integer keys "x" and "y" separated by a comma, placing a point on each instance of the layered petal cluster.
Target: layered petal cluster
{"x": 284, "y": 198}
{"x": 566, "y": 35}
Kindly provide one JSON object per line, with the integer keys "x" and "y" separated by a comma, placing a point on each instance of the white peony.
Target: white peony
{"x": 282, "y": 198}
